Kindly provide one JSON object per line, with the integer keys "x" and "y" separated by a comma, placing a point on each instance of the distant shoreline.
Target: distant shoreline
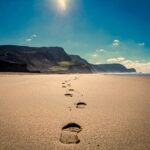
{"x": 128, "y": 74}
{"x": 114, "y": 74}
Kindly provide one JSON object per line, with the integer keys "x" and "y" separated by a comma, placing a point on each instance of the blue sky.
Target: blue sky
{"x": 102, "y": 31}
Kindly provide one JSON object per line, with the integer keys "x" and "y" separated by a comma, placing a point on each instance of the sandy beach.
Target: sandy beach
{"x": 74, "y": 112}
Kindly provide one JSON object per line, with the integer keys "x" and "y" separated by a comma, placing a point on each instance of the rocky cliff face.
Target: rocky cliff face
{"x": 49, "y": 60}
{"x": 36, "y": 59}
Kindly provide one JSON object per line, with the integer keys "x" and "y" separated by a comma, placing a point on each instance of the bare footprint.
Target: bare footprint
{"x": 69, "y": 134}
{"x": 72, "y": 127}
{"x": 69, "y": 138}
{"x": 63, "y": 86}
{"x": 69, "y": 95}
{"x": 75, "y": 78}
{"x": 71, "y": 90}
{"x": 69, "y": 85}
{"x": 81, "y": 105}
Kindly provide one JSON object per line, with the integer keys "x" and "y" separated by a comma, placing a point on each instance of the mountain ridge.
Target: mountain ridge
{"x": 15, "y": 58}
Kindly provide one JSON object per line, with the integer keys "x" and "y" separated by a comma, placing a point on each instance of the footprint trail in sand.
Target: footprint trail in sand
{"x": 70, "y": 131}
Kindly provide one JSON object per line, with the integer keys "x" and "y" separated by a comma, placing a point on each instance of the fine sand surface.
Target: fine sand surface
{"x": 74, "y": 112}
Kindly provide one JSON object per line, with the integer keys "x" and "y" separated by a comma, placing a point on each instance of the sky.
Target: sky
{"x": 101, "y": 31}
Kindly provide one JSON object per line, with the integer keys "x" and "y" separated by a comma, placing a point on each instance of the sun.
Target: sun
{"x": 62, "y": 4}
{"x": 61, "y": 7}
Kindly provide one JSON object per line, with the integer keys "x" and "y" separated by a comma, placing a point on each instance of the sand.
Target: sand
{"x": 86, "y": 112}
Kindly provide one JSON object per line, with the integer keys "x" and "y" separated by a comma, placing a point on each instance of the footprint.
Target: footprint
{"x": 63, "y": 86}
{"x": 75, "y": 78}
{"x": 69, "y": 138}
{"x": 82, "y": 95}
{"x": 71, "y": 90}
{"x": 69, "y": 134}
{"x": 72, "y": 127}
{"x": 81, "y": 105}
{"x": 69, "y": 95}
{"x": 69, "y": 85}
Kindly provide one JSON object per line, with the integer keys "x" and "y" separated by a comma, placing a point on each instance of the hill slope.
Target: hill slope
{"x": 113, "y": 68}
{"x": 50, "y": 60}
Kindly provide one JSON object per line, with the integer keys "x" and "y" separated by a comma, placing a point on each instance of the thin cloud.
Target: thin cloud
{"x": 31, "y": 38}
{"x": 94, "y": 55}
{"x": 116, "y": 60}
{"x": 141, "y": 44}
{"x": 28, "y": 40}
{"x": 100, "y": 50}
{"x": 116, "y": 43}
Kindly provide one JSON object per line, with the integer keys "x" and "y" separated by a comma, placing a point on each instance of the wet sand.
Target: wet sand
{"x": 74, "y": 112}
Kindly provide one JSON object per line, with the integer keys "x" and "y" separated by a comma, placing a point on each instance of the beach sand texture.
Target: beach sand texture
{"x": 74, "y": 112}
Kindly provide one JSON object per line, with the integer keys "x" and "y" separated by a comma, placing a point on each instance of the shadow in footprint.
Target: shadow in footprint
{"x": 71, "y": 90}
{"x": 69, "y": 134}
{"x": 69, "y": 85}
{"x": 81, "y": 105}
{"x": 63, "y": 86}
{"x": 72, "y": 127}
{"x": 69, "y": 95}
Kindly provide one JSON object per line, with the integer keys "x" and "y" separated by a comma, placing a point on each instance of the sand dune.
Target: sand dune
{"x": 74, "y": 112}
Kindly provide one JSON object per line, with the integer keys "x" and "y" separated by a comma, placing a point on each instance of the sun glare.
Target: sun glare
{"x": 61, "y": 6}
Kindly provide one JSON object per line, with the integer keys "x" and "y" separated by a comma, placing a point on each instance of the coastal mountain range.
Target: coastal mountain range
{"x": 49, "y": 60}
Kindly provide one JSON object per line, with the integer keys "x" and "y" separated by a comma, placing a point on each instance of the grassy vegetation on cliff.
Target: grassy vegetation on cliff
{"x": 61, "y": 66}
